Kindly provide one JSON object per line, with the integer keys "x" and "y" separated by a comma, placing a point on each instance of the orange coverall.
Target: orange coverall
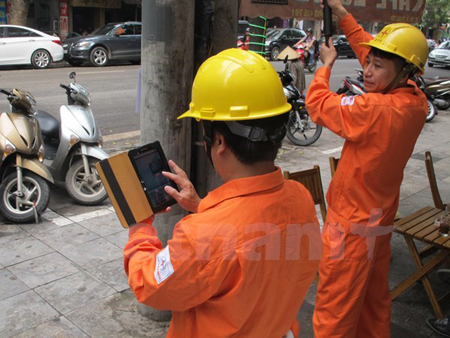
{"x": 380, "y": 131}
{"x": 239, "y": 267}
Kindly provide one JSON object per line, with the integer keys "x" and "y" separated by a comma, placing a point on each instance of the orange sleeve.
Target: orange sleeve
{"x": 168, "y": 279}
{"x": 346, "y": 116}
{"x": 355, "y": 34}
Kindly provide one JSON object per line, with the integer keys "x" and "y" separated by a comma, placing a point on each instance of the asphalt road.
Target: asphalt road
{"x": 113, "y": 89}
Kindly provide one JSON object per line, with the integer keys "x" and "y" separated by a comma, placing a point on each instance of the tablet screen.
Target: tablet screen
{"x": 150, "y": 165}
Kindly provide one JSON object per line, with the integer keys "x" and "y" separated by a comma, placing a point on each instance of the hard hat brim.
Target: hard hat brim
{"x": 221, "y": 117}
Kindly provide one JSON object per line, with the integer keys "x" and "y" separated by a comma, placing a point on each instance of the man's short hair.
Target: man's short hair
{"x": 250, "y": 152}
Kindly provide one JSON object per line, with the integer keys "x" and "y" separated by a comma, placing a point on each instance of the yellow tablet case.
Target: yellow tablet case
{"x": 124, "y": 189}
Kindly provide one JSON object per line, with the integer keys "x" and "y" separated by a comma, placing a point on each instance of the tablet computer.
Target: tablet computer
{"x": 149, "y": 162}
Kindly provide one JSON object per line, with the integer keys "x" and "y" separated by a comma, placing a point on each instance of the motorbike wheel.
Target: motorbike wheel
{"x": 445, "y": 106}
{"x": 431, "y": 111}
{"x": 85, "y": 193}
{"x": 312, "y": 67}
{"x": 36, "y": 191}
{"x": 303, "y": 131}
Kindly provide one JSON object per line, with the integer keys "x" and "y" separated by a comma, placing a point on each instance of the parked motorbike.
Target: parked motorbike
{"x": 74, "y": 145}
{"x": 437, "y": 89}
{"x": 300, "y": 129}
{"x": 24, "y": 191}
{"x": 356, "y": 87}
{"x": 352, "y": 86}
{"x": 304, "y": 54}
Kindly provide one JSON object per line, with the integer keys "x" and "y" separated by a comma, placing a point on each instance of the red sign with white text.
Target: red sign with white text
{"x": 63, "y": 19}
{"x": 388, "y": 11}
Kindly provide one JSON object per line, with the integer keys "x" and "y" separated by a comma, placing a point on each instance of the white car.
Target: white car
{"x": 24, "y": 46}
{"x": 440, "y": 56}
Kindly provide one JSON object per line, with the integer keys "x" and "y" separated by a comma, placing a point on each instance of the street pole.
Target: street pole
{"x": 224, "y": 28}
{"x": 226, "y": 17}
{"x": 166, "y": 80}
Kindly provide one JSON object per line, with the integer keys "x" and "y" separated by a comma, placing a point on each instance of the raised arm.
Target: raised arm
{"x": 354, "y": 33}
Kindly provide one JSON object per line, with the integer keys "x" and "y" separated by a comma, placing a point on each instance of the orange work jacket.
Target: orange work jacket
{"x": 239, "y": 267}
{"x": 380, "y": 131}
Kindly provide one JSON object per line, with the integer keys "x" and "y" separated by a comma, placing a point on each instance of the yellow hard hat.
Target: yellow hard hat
{"x": 403, "y": 40}
{"x": 236, "y": 85}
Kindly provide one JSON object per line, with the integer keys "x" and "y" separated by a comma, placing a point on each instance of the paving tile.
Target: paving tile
{"x": 116, "y": 316}
{"x": 10, "y": 285}
{"x": 73, "y": 210}
{"x": 93, "y": 253}
{"x": 22, "y": 312}
{"x": 63, "y": 237}
{"x": 119, "y": 239}
{"x": 42, "y": 227}
{"x": 51, "y": 216}
{"x": 103, "y": 226}
{"x": 72, "y": 292}
{"x": 112, "y": 273}
{"x": 11, "y": 232}
{"x": 304, "y": 318}
{"x": 57, "y": 327}
{"x": 44, "y": 269}
{"x": 22, "y": 249}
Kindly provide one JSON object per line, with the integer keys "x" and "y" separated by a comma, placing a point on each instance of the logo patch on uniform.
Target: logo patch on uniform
{"x": 163, "y": 267}
{"x": 348, "y": 101}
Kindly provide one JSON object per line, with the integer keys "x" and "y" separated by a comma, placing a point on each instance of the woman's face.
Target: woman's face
{"x": 378, "y": 73}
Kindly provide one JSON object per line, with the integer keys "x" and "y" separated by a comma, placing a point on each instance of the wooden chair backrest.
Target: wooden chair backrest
{"x": 333, "y": 165}
{"x": 312, "y": 181}
{"x": 433, "y": 184}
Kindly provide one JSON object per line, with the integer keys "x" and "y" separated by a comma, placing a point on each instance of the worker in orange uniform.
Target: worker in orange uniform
{"x": 380, "y": 129}
{"x": 241, "y": 264}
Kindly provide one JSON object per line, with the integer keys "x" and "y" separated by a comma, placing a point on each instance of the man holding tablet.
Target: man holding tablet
{"x": 240, "y": 265}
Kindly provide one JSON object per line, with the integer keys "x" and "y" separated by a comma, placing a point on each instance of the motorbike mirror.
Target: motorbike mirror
{"x": 4, "y": 91}
{"x": 285, "y": 62}
{"x": 72, "y": 76}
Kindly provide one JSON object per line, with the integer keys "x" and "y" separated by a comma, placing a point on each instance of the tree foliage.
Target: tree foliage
{"x": 19, "y": 12}
{"x": 436, "y": 13}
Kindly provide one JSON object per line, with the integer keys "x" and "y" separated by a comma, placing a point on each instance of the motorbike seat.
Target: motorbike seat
{"x": 433, "y": 80}
{"x": 49, "y": 124}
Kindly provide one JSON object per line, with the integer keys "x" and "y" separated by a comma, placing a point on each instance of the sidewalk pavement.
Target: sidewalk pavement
{"x": 64, "y": 276}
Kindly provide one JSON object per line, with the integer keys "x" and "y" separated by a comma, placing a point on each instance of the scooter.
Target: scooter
{"x": 74, "y": 146}
{"x": 437, "y": 89}
{"x": 304, "y": 54}
{"x": 351, "y": 86}
{"x": 24, "y": 191}
{"x": 300, "y": 129}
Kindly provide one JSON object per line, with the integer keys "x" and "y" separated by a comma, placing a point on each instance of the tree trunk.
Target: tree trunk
{"x": 19, "y": 12}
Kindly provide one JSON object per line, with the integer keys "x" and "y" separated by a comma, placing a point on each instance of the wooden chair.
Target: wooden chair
{"x": 333, "y": 164}
{"x": 433, "y": 184}
{"x": 312, "y": 181}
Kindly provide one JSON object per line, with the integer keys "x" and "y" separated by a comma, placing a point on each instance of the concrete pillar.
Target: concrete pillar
{"x": 226, "y": 16}
{"x": 167, "y": 74}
